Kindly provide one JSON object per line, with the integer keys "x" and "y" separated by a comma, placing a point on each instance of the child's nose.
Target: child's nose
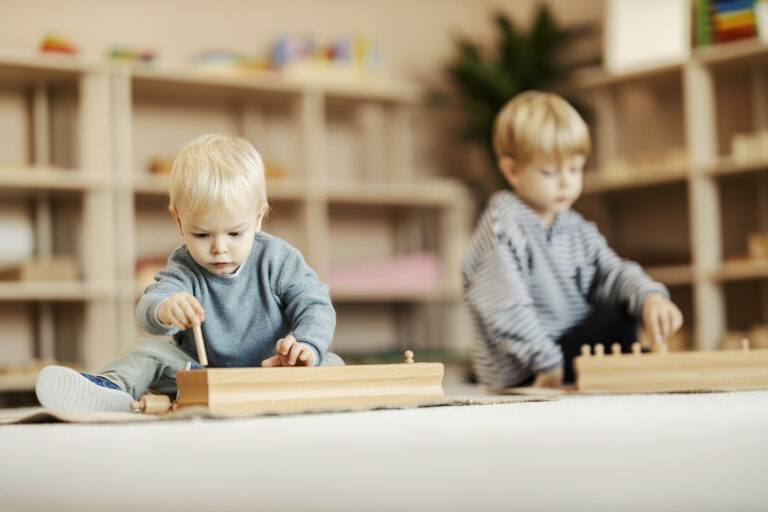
{"x": 219, "y": 246}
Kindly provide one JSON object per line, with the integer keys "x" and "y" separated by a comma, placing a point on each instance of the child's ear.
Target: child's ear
{"x": 175, "y": 215}
{"x": 260, "y": 216}
{"x": 508, "y": 168}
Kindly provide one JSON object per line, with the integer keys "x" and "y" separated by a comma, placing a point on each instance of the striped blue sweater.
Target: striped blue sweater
{"x": 526, "y": 284}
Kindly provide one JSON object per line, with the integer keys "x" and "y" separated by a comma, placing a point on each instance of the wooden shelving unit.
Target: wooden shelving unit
{"x": 116, "y": 211}
{"x": 704, "y": 84}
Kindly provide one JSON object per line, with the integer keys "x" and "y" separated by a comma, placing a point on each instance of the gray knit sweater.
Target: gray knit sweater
{"x": 272, "y": 294}
{"x": 526, "y": 284}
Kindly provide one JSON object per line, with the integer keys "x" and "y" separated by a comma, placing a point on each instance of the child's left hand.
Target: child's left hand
{"x": 661, "y": 317}
{"x": 290, "y": 352}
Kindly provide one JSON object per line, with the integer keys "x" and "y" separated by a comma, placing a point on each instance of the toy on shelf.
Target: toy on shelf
{"x": 720, "y": 21}
{"x": 56, "y": 43}
{"x": 131, "y": 55}
{"x": 241, "y": 391}
{"x": 665, "y": 371}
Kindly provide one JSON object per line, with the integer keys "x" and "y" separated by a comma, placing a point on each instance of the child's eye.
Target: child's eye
{"x": 547, "y": 172}
{"x": 234, "y": 233}
{"x": 200, "y": 235}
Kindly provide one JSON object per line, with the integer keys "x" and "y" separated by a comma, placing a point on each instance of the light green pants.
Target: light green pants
{"x": 149, "y": 362}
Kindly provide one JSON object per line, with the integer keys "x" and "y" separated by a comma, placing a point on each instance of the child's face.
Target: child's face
{"x": 546, "y": 186}
{"x": 220, "y": 240}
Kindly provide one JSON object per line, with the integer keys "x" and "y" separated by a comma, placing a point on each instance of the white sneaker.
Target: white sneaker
{"x": 60, "y": 388}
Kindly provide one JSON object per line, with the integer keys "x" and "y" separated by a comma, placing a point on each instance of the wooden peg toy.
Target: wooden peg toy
{"x": 200, "y": 343}
{"x": 663, "y": 348}
{"x": 745, "y": 344}
{"x": 152, "y": 404}
{"x": 636, "y": 349}
{"x": 408, "y": 356}
{"x": 616, "y": 349}
{"x": 599, "y": 350}
{"x": 586, "y": 350}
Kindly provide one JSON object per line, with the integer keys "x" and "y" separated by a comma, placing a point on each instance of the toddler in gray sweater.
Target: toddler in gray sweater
{"x": 257, "y": 301}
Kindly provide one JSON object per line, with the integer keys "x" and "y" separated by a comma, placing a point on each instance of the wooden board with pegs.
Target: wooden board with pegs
{"x": 244, "y": 391}
{"x": 664, "y": 371}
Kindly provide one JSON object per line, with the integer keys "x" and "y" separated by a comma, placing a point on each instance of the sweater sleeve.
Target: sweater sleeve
{"x": 498, "y": 295}
{"x": 308, "y": 305}
{"x": 170, "y": 280}
{"x": 617, "y": 280}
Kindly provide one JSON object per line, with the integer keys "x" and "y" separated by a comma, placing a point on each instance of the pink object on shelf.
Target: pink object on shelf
{"x": 416, "y": 272}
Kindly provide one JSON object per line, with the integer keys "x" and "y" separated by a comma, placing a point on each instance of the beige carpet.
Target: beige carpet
{"x": 616, "y": 453}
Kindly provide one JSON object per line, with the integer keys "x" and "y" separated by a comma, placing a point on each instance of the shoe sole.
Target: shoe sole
{"x": 63, "y": 389}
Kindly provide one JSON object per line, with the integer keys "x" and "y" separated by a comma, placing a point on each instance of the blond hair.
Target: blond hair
{"x": 538, "y": 124}
{"x": 217, "y": 171}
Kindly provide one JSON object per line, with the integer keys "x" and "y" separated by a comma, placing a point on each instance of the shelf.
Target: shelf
{"x": 30, "y": 68}
{"x": 22, "y": 381}
{"x": 728, "y": 166}
{"x": 281, "y": 189}
{"x": 54, "y": 291}
{"x": 418, "y": 194}
{"x": 176, "y": 79}
{"x": 595, "y": 77}
{"x": 443, "y": 295}
{"x": 34, "y": 178}
{"x": 733, "y": 53}
{"x": 597, "y": 182}
{"x": 671, "y": 275}
{"x": 738, "y": 270}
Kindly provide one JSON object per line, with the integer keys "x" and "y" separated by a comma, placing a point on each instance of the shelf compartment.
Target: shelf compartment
{"x": 671, "y": 275}
{"x": 597, "y": 182}
{"x": 34, "y": 178}
{"x": 739, "y": 270}
{"x": 55, "y": 291}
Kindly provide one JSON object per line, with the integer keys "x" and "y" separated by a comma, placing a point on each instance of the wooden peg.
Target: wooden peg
{"x": 152, "y": 404}
{"x": 663, "y": 348}
{"x": 408, "y": 356}
{"x": 599, "y": 350}
{"x": 745, "y": 344}
{"x": 200, "y": 343}
{"x": 586, "y": 350}
{"x": 636, "y": 349}
{"x": 616, "y": 349}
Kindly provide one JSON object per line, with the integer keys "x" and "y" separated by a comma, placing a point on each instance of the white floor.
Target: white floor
{"x": 616, "y": 453}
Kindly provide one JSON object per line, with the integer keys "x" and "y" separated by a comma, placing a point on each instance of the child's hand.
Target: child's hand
{"x": 290, "y": 353}
{"x": 551, "y": 379}
{"x": 182, "y": 310}
{"x": 661, "y": 317}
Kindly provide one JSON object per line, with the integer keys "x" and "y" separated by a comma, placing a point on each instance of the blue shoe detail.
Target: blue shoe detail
{"x": 101, "y": 381}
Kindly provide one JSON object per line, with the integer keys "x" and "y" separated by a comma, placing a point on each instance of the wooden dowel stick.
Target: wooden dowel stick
{"x": 200, "y": 345}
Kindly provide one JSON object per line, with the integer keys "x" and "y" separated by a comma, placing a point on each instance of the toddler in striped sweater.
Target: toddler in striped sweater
{"x": 540, "y": 280}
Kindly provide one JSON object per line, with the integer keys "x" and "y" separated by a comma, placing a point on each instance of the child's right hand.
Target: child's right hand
{"x": 182, "y": 310}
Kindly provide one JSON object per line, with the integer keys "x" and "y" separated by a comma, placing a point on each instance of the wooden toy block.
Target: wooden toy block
{"x": 675, "y": 371}
{"x": 242, "y": 391}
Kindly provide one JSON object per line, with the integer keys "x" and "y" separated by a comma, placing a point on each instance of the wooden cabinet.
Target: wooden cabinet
{"x": 673, "y": 187}
{"x": 342, "y": 183}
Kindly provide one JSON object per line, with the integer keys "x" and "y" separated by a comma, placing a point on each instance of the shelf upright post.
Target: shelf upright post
{"x": 759, "y": 93}
{"x": 124, "y": 223}
{"x": 311, "y": 118}
{"x": 100, "y": 334}
{"x": 704, "y": 205}
{"x": 41, "y": 115}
